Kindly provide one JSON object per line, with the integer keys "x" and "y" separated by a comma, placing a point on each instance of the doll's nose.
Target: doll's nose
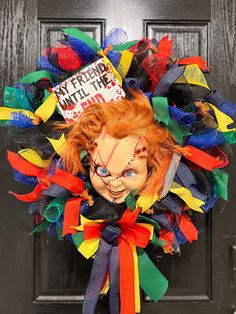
{"x": 115, "y": 183}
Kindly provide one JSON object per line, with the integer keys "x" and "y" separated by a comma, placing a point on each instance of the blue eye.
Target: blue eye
{"x": 102, "y": 172}
{"x": 130, "y": 173}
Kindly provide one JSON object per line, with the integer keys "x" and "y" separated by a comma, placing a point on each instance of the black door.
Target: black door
{"x": 42, "y": 275}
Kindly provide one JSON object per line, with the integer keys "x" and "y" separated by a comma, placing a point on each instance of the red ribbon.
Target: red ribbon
{"x": 187, "y": 228}
{"x": 67, "y": 58}
{"x": 62, "y": 178}
{"x": 71, "y": 216}
{"x": 130, "y": 232}
{"x": 209, "y": 160}
{"x": 167, "y": 236}
{"x": 194, "y": 60}
{"x": 22, "y": 165}
{"x": 165, "y": 46}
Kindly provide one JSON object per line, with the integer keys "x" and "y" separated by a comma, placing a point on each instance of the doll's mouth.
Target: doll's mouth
{"x": 116, "y": 193}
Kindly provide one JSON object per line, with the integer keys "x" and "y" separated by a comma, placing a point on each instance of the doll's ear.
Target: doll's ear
{"x": 170, "y": 173}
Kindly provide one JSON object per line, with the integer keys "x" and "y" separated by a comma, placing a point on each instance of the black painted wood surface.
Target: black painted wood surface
{"x": 44, "y": 276}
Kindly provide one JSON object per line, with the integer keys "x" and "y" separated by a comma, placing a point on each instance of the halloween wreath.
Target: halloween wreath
{"x": 120, "y": 142}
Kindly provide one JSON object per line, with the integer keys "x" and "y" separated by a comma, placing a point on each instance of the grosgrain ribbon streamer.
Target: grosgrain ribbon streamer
{"x": 161, "y": 112}
{"x": 167, "y": 80}
{"x": 99, "y": 269}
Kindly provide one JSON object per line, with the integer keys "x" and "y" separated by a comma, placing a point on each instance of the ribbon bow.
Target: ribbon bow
{"x": 116, "y": 254}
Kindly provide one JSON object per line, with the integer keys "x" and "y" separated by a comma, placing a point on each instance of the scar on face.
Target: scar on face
{"x": 140, "y": 153}
{"x": 110, "y": 155}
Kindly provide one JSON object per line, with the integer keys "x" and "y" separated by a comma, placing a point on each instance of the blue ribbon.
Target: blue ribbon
{"x": 106, "y": 258}
{"x": 44, "y": 64}
{"x": 187, "y": 179}
{"x": 164, "y": 84}
{"x": 223, "y": 105}
{"x": 206, "y": 139}
{"x": 27, "y": 180}
{"x": 186, "y": 119}
{"x": 171, "y": 204}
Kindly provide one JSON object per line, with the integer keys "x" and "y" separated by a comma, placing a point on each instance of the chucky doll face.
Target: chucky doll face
{"x": 118, "y": 166}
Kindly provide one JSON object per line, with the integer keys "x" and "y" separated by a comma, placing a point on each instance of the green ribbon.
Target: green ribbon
{"x": 59, "y": 233}
{"x": 46, "y": 95}
{"x": 54, "y": 209}
{"x": 93, "y": 44}
{"x": 125, "y": 46}
{"x": 157, "y": 241}
{"x": 83, "y": 154}
{"x": 220, "y": 179}
{"x": 74, "y": 32}
{"x": 130, "y": 200}
{"x": 16, "y": 98}
{"x": 78, "y": 238}
{"x": 149, "y": 220}
{"x": 41, "y": 227}
{"x": 38, "y": 75}
{"x": 230, "y": 137}
{"x": 150, "y": 278}
{"x": 161, "y": 114}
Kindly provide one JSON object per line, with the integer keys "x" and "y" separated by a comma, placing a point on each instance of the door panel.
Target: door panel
{"x": 53, "y": 274}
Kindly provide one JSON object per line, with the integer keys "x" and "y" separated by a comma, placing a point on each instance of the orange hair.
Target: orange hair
{"x": 120, "y": 119}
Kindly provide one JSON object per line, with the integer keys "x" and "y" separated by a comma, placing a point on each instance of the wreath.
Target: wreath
{"x": 121, "y": 143}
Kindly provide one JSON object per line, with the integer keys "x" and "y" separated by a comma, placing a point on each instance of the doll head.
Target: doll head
{"x": 127, "y": 149}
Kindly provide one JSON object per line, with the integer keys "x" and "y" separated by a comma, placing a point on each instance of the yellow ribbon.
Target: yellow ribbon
{"x": 187, "y": 197}
{"x": 125, "y": 62}
{"x": 47, "y": 108}
{"x": 58, "y": 145}
{"x": 146, "y": 201}
{"x": 193, "y": 75}
{"x": 33, "y": 157}
{"x": 136, "y": 278}
{"x": 88, "y": 247}
{"x": 44, "y": 111}
{"x": 106, "y": 287}
{"x": 5, "y": 113}
{"x": 222, "y": 119}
